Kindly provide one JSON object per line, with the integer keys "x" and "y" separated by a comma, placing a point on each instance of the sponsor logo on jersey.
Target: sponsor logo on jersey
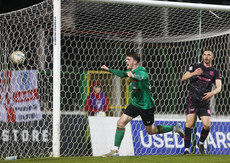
{"x": 211, "y": 73}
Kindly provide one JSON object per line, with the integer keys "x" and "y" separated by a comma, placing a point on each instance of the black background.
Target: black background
{"x": 11, "y": 5}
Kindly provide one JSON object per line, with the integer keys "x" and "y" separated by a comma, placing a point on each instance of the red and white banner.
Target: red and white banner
{"x": 19, "y": 99}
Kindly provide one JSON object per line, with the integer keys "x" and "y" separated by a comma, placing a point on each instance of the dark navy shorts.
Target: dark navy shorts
{"x": 147, "y": 116}
{"x": 197, "y": 105}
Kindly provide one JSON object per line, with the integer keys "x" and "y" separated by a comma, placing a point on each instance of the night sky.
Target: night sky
{"x": 11, "y": 5}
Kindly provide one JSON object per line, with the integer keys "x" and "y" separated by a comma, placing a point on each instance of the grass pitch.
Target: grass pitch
{"x": 133, "y": 159}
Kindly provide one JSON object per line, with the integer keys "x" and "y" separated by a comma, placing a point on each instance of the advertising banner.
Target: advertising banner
{"x": 218, "y": 141}
{"x": 34, "y": 138}
{"x": 102, "y": 133}
{"x": 19, "y": 98}
{"x": 137, "y": 141}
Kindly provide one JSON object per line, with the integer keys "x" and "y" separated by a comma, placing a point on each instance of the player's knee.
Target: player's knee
{"x": 149, "y": 131}
{"x": 206, "y": 126}
{"x": 120, "y": 124}
{"x": 189, "y": 125}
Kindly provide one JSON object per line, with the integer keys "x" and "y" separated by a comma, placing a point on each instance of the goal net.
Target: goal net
{"x": 95, "y": 34}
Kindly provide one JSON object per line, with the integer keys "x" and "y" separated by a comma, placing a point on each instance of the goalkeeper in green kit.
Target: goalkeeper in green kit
{"x": 142, "y": 103}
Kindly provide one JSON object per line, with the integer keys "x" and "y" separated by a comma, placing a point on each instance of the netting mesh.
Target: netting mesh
{"x": 94, "y": 34}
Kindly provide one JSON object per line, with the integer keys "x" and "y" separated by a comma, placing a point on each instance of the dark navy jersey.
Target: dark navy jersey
{"x": 200, "y": 84}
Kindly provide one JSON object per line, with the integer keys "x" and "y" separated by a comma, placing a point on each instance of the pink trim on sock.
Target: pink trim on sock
{"x": 187, "y": 138}
{"x": 203, "y": 135}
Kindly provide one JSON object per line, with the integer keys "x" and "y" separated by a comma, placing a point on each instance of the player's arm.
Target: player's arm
{"x": 188, "y": 74}
{"x": 139, "y": 76}
{"x": 218, "y": 87}
{"x": 208, "y": 95}
{"x": 115, "y": 72}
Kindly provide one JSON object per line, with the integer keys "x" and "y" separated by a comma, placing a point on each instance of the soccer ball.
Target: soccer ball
{"x": 17, "y": 57}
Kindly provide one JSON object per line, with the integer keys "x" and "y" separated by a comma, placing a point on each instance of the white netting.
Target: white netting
{"x": 93, "y": 34}
{"x": 26, "y": 88}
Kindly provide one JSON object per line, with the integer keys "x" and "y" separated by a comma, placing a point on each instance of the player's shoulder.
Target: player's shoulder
{"x": 141, "y": 72}
{"x": 193, "y": 66}
{"x": 199, "y": 64}
{"x": 215, "y": 69}
{"x": 140, "y": 69}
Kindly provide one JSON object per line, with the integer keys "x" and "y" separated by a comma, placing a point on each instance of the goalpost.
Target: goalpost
{"x": 65, "y": 43}
{"x": 56, "y": 77}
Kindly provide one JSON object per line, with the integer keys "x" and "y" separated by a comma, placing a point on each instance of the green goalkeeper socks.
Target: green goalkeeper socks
{"x": 164, "y": 129}
{"x": 120, "y": 132}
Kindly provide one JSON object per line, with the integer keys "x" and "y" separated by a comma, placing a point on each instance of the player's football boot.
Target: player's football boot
{"x": 186, "y": 151}
{"x": 112, "y": 153}
{"x": 201, "y": 147}
{"x": 178, "y": 129}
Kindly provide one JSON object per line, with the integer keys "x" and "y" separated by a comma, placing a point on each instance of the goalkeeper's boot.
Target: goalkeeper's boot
{"x": 112, "y": 153}
{"x": 201, "y": 147}
{"x": 178, "y": 129}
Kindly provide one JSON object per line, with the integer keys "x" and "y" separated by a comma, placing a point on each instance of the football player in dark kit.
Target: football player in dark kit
{"x": 202, "y": 76}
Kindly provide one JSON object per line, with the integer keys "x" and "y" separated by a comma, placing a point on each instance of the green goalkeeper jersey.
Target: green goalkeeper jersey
{"x": 141, "y": 94}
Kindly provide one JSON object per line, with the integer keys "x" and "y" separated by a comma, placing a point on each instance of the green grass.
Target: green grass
{"x": 132, "y": 159}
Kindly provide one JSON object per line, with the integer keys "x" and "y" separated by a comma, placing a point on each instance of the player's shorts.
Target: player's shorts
{"x": 147, "y": 116}
{"x": 198, "y": 106}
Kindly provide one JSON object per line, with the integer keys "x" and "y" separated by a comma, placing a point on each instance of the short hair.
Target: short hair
{"x": 208, "y": 50}
{"x": 135, "y": 56}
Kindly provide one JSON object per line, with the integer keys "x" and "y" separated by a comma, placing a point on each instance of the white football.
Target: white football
{"x": 17, "y": 57}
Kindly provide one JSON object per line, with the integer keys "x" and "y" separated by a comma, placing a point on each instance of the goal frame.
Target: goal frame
{"x": 57, "y": 49}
